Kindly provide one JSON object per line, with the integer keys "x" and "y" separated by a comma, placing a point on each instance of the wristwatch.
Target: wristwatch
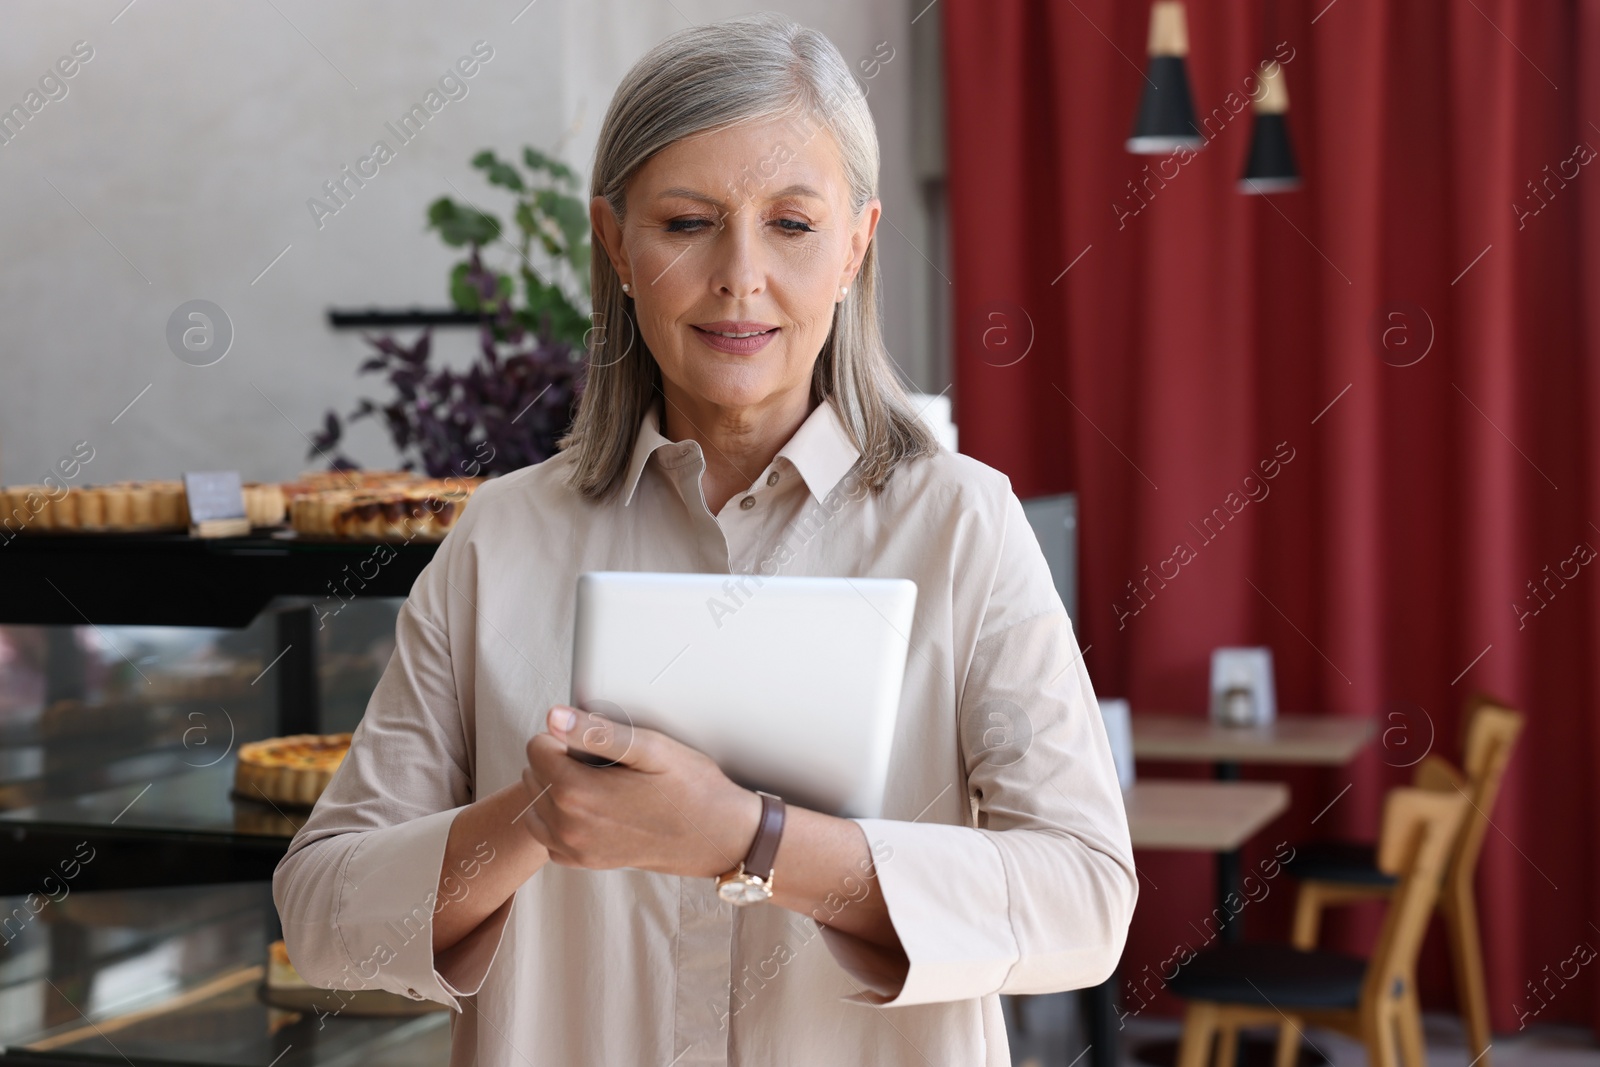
{"x": 751, "y": 881}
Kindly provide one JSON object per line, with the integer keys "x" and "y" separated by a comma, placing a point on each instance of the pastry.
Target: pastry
{"x": 289, "y": 770}
{"x": 264, "y": 503}
{"x": 121, "y": 507}
{"x": 62, "y": 514}
{"x": 280, "y": 972}
{"x": 91, "y": 509}
{"x": 424, "y": 509}
{"x": 171, "y": 504}
{"x": 24, "y": 507}
{"x": 311, "y": 483}
{"x": 141, "y": 505}
{"x": 125, "y": 507}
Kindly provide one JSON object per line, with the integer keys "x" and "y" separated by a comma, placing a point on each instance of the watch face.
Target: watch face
{"x": 743, "y": 889}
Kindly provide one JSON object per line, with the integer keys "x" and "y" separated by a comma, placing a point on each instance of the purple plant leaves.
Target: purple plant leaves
{"x": 517, "y": 398}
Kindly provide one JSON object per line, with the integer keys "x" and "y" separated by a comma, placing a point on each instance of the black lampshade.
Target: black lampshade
{"x": 1165, "y": 120}
{"x": 1270, "y": 167}
{"x": 1166, "y": 111}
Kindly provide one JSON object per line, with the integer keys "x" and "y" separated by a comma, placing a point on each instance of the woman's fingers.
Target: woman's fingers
{"x": 607, "y": 736}
{"x": 649, "y": 805}
{"x": 532, "y": 821}
{"x": 564, "y": 793}
{"x": 545, "y": 754}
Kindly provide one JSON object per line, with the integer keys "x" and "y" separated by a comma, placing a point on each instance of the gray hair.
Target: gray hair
{"x": 700, "y": 80}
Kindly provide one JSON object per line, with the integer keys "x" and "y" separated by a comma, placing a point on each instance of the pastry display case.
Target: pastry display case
{"x": 136, "y": 916}
{"x": 177, "y": 976}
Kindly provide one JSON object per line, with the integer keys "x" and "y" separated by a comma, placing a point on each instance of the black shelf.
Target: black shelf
{"x": 183, "y": 826}
{"x": 177, "y": 580}
{"x": 372, "y": 317}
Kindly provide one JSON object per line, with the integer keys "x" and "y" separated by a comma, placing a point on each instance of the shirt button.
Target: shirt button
{"x": 747, "y": 503}
{"x": 772, "y": 479}
{"x": 413, "y": 994}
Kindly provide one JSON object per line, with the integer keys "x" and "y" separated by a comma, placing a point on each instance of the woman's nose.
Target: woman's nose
{"x": 738, "y": 256}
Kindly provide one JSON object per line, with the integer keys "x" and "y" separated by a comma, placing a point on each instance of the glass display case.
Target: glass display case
{"x": 135, "y": 898}
{"x": 175, "y": 976}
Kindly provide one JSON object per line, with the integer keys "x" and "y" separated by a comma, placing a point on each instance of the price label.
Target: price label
{"x": 213, "y": 495}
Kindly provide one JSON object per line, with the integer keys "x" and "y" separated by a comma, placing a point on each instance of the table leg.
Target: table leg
{"x": 1098, "y": 1003}
{"x": 299, "y": 699}
{"x": 1229, "y": 871}
{"x": 1228, "y": 884}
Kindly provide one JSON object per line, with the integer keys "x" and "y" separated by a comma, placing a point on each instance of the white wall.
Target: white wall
{"x": 188, "y": 147}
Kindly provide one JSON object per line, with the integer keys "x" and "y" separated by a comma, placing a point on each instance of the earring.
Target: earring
{"x": 624, "y": 287}
{"x": 844, "y": 291}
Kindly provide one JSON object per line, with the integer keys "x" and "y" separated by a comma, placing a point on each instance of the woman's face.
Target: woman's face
{"x": 747, "y": 229}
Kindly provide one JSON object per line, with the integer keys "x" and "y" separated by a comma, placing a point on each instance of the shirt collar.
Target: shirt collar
{"x": 821, "y": 450}
{"x": 645, "y": 442}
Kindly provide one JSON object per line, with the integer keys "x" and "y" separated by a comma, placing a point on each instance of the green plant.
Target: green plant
{"x": 547, "y": 217}
{"x": 510, "y": 407}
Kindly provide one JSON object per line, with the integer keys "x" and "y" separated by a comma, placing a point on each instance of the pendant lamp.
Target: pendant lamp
{"x": 1270, "y": 166}
{"x": 1165, "y": 121}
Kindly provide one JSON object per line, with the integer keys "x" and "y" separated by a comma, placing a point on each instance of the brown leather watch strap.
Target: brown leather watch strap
{"x": 764, "y": 849}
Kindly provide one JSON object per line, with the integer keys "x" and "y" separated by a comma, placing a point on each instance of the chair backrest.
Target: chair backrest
{"x": 1420, "y": 828}
{"x": 1437, "y": 775}
{"x": 1492, "y": 730}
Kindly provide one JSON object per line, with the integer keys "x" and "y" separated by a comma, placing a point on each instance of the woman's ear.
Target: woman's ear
{"x": 609, "y": 231}
{"x": 860, "y": 238}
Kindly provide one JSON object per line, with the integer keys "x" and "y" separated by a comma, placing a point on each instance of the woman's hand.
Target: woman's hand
{"x": 663, "y": 807}
{"x": 668, "y": 808}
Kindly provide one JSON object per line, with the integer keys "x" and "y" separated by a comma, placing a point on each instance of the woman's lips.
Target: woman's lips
{"x": 742, "y": 346}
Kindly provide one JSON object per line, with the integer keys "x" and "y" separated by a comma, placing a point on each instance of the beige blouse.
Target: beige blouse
{"x": 1003, "y": 855}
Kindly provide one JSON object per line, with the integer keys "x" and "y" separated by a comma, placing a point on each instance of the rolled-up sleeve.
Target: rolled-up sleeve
{"x": 1035, "y": 895}
{"x": 358, "y": 888}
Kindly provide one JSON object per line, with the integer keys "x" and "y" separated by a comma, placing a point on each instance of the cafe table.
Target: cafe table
{"x": 1156, "y": 809}
{"x": 1329, "y": 740}
{"x": 1322, "y": 740}
{"x": 1190, "y": 816}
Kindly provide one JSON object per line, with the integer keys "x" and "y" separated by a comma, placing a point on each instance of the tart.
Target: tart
{"x": 425, "y": 509}
{"x": 280, "y": 972}
{"x": 289, "y": 770}
{"x": 124, "y": 507}
{"x": 310, "y": 483}
{"x": 264, "y": 503}
{"x": 23, "y": 507}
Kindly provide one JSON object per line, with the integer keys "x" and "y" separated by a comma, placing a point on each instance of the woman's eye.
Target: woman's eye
{"x": 695, "y": 225}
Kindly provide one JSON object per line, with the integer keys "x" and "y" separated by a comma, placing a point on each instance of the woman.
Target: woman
{"x": 740, "y": 417}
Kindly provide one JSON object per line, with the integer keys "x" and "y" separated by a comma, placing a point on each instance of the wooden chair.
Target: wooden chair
{"x": 1340, "y": 873}
{"x": 1234, "y": 986}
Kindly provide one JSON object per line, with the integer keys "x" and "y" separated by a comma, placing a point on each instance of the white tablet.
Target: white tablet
{"x": 792, "y": 684}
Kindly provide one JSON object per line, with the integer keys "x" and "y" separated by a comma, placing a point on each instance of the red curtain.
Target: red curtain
{"x": 1350, "y": 422}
